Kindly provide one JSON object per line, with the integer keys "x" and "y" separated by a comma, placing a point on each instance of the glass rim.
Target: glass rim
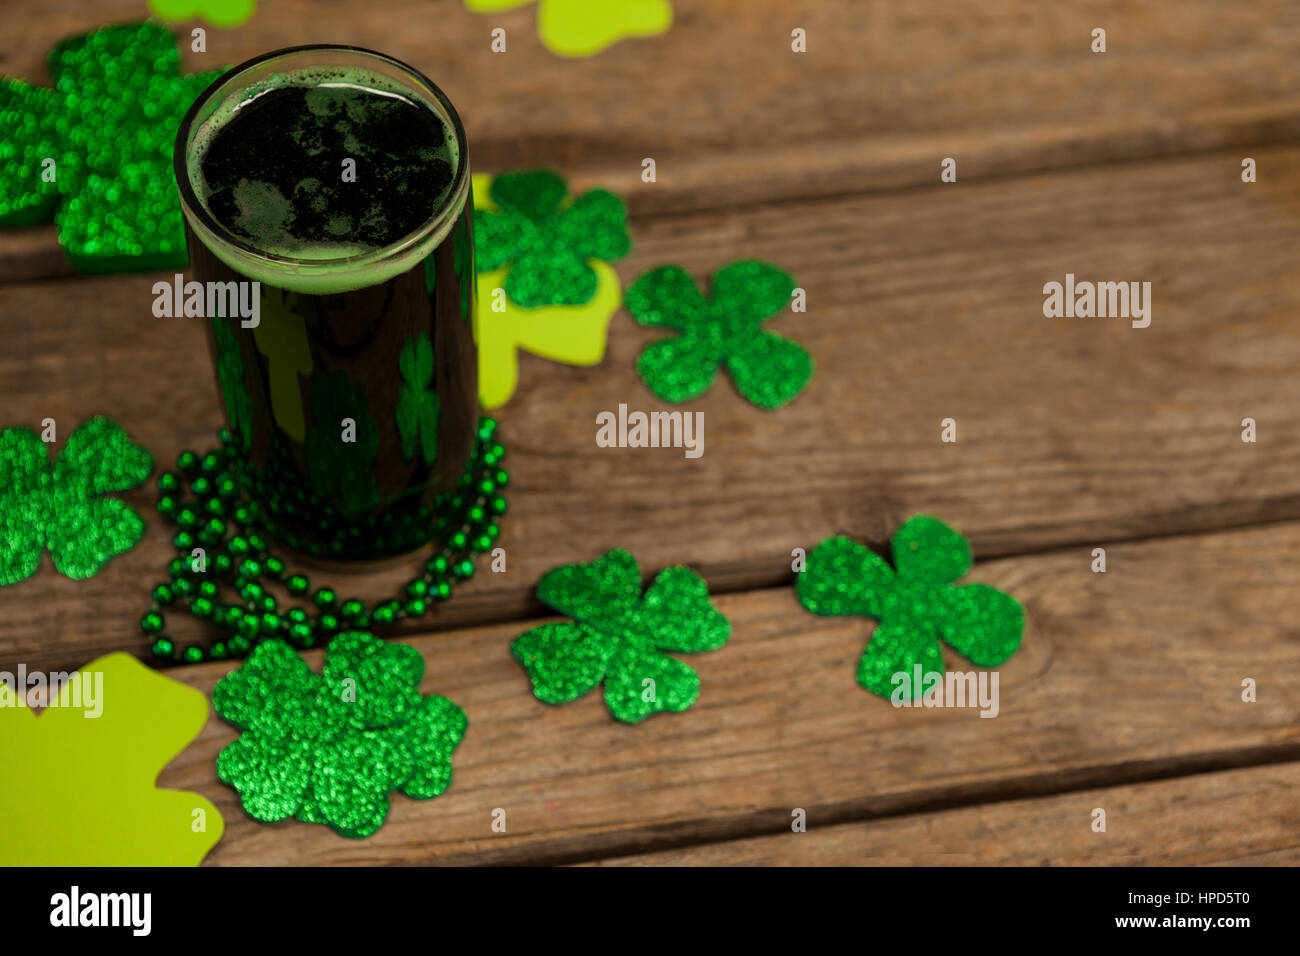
{"x": 348, "y": 272}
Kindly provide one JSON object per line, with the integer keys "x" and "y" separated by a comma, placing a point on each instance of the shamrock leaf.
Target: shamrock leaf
{"x": 342, "y": 443}
{"x": 545, "y": 244}
{"x": 417, "y": 403}
{"x": 95, "y": 152}
{"x": 618, "y": 636}
{"x": 62, "y": 508}
{"x": 572, "y": 334}
{"x": 916, "y": 603}
{"x": 724, "y": 330}
{"x": 330, "y": 748}
{"x": 584, "y": 27}
{"x": 219, "y": 13}
{"x": 86, "y": 796}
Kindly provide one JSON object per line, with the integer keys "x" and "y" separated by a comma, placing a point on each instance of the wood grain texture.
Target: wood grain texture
{"x": 1244, "y": 817}
{"x": 732, "y": 116}
{"x": 922, "y": 306}
{"x": 1123, "y": 677}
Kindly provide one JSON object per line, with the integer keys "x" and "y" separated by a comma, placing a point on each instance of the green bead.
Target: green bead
{"x": 187, "y": 462}
{"x": 437, "y": 565}
{"x": 482, "y": 543}
{"x": 242, "y": 516}
{"x": 163, "y": 595}
{"x": 201, "y": 607}
{"x": 301, "y": 633}
{"x": 499, "y": 505}
{"x": 167, "y": 506}
{"x": 476, "y": 514}
{"x": 487, "y": 486}
{"x": 217, "y": 507}
{"x": 324, "y": 598}
{"x": 297, "y": 615}
{"x": 328, "y": 623}
{"x": 256, "y": 542}
{"x": 417, "y": 588}
{"x": 208, "y": 589}
{"x": 151, "y": 623}
{"x": 274, "y": 566}
{"x": 442, "y": 591}
{"x": 268, "y": 603}
{"x": 193, "y": 654}
{"x": 175, "y": 567}
{"x": 218, "y": 651}
{"x": 353, "y": 609}
{"x": 222, "y": 563}
{"x": 297, "y": 584}
{"x": 186, "y": 518}
{"x": 415, "y": 608}
{"x": 238, "y": 544}
{"x": 201, "y": 487}
{"x": 184, "y": 541}
{"x": 493, "y": 531}
{"x": 270, "y": 623}
{"x": 248, "y": 626}
{"x": 211, "y": 463}
{"x": 215, "y": 529}
{"x": 464, "y": 569}
{"x": 226, "y": 485}
{"x": 458, "y": 541}
{"x": 383, "y": 616}
{"x": 249, "y": 568}
{"x": 497, "y": 450}
{"x": 183, "y": 587}
{"x": 502, "y": 477}
{"x": 169, "y": 482}
{"x": 239, "y": 644}
{"x": 163, "y": 647}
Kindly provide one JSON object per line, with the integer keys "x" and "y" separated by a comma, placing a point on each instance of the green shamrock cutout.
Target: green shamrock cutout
{"x": 545, "y": 243}
{"x": 64, "y": 508}
{"x": 619, "y": 637}
{"x": 722, "y": 330}
{"x": 915, "y": 602}
{"x": 337, "y": 466}
{"x": 94, "y": 153}
{"x": 329, "y": 748}
{"x": 230, "y": 373}
{"x": 417, "y": 403}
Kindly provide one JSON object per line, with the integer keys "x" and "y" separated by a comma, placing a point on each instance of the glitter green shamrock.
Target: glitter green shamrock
{"x": 722, "y": 330}
{"x": 94, "y": 154}
{"x": 64, "y": 508}
{"x": 337, "y": 465}
{"x": 417, "y": 403}
{"x": 915, "y": 603}
{"x": 618, "y": 637}
{"x": 546, "y": 243}
{"x": 329, "y": 748}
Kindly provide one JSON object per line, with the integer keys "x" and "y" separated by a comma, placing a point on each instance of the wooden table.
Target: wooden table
{"x": 924, "y": 303}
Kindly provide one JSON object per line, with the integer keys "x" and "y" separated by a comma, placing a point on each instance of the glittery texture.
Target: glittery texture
{"x": 723, "y": 330}
{"x": 63, "y": 507}
{"x": 417, "y": 403}
{"x": 916, "y": 604}
{"x": 572, "y": 334}
{"x": 108, "y": 125}
{"x": 545, "y": 244}
{"x": 330, "y": 748}
{"x": 339, "y": 467}
{"x": 618, "y": 637}
{"x": 584, "y": 27}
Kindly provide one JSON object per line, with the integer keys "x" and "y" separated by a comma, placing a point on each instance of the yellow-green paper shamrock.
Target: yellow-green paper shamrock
{"x": 584, "y": 27}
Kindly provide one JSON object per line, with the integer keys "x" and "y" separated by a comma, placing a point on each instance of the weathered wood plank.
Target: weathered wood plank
{"x": 1123, "y": 677}
{"x": 1244, "y": 817}
{"x": 732, "y": 116}
{"x": 921, "y": 307}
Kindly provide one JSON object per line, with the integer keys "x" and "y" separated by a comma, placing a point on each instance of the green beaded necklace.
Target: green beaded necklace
{"x": 243, "y": 560}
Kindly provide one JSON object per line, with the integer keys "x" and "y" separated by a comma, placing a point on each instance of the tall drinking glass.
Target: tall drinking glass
{"x": 326, "y": 195}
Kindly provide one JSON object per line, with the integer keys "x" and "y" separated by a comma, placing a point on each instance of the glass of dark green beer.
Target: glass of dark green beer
{"x": 337, "y": 179}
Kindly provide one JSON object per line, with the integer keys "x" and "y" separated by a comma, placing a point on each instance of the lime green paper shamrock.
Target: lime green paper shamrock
{"x": 583, "y": 27}
{"x": 915, "y": 603}
{"x": 63, "y": 507}
{"x": 219, "y": 13}
{"x": 618, "y": 637}
{"x": 417, "y": 403}
{"x": 94, "y": 154}
{"x": 330, "y": 748}
{"x": 86, "y": 793}
{"x": 723, "y": 330}
{"x": 545, "y": 243}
